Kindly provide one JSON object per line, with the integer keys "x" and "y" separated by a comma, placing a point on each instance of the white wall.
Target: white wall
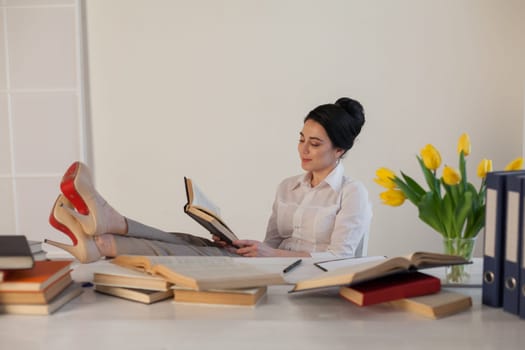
{"x": 217, "y": 90}
{"x": 41, "y": 110}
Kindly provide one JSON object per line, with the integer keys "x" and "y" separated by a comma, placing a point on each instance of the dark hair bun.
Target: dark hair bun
{"x": 355, "y": 110}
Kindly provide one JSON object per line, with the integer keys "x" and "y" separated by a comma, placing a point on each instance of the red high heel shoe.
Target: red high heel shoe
{"x": 95, "y": 215}
{"x": 84, "y": 247}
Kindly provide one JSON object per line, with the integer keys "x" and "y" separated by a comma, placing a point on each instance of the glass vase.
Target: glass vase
{"x": 464, "y": 247}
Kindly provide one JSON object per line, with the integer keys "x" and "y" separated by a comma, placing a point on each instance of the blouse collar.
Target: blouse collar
{"x": 334, "y": 179}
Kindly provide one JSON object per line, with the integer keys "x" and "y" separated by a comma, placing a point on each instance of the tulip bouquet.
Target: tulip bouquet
{"x": 451, "y": 205}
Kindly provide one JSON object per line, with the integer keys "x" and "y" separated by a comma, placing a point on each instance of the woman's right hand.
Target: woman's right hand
{"x": 217, "y": 240}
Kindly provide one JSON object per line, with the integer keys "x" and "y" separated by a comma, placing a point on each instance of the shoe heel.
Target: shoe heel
{"x": 67, "y": 186}
{"x": 68, "y": 248}
{"x": 61, "y": 227}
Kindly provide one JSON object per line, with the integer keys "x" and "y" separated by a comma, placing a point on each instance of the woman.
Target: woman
{"x": 320, "y": 211}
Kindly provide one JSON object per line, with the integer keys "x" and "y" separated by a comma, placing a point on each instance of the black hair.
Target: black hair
{"x": 341, "y": 120}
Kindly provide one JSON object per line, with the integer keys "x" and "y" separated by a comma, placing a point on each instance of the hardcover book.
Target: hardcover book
{"x": 116, "y": 276}
{"x": 391, "y": 287}
{"x": 38, "y": 278}
{"x": 43, "y": 296}
{"x": 68, "y": 294}
{"x": 444, "y": 303}
{"x": 242, "y": 297}
{"x": 201, "y": 272}
{"x": 206, "y": 213}
{"x": 15, "y": 253}
{"x": 349, "y": 275}
{"x": 140, "y": 295}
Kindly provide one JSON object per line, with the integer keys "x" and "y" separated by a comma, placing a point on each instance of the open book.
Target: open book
{"x": 201, "y": 272}
{"x": 352, "y": 274}
{"x": 202, "y": 210}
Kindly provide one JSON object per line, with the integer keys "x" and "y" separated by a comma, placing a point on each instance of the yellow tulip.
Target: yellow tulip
{"x": 384, "y": 178}
{"x": 464, "y": 144}
{"x": 484, "y": 167}
{"x": 451, "y": 176}
{"x": 516, "y": 164}
{"x": 393, "y": 197}
{"x": 431, "y": 157}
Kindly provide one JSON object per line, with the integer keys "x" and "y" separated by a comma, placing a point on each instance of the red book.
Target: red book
{"x": 392, "y": 287}
{"x": 38, "y": 278}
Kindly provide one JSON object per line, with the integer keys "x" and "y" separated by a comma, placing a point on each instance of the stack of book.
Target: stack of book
{"x": 40, "y": 290}
{"x": 37, "y": 251}
{"x": 145, "y": 288}
{"x": 395, "y": 281}
{"x": 206, "y": 280}
{"x": 131, "y": 285}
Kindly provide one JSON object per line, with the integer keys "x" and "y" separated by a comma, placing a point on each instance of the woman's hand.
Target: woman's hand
{"x": 217, "y": 240}
{"x": 251, "y": 248}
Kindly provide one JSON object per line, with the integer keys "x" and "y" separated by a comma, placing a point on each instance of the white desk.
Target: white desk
{"x": 320, "y": 320}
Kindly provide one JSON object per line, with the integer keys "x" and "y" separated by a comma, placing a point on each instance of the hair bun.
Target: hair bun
{"x": 355, "y": 110}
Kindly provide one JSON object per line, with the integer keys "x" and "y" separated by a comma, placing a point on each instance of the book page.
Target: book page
{"x": 217, "y": 272}
{"x": 329, "y": 265}
{"x": 200, "y": 200}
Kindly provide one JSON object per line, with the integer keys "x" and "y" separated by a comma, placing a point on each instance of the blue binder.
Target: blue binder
{"x": 494, "y": 241}
{"x": 521, "y": 287}
{"x": 513, "y": 237}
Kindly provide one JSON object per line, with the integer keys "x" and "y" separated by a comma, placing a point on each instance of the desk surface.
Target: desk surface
{"x": 280, "y": 321}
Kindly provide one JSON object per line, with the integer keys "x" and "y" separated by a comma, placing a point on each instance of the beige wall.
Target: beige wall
{"x": 41, "y": 110}
{"x": 216, "y": 90}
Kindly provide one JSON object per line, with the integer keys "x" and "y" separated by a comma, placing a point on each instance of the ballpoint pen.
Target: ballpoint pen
{"x": 292, "y": 266}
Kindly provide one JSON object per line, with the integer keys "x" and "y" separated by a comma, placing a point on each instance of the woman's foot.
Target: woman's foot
{"x": 106, "y": 245}
{"x": 84, "y": 247}
{"x": 94, "y": 214}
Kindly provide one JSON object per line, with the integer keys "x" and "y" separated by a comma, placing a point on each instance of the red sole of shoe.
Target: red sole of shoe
{"x": 67, "y": 186}
{"x": 61, "y": 227}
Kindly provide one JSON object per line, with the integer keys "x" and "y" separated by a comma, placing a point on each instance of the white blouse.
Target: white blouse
{"x": 333, "y": 216}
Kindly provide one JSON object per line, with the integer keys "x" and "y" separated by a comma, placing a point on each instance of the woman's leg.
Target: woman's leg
{"x": 113, "y": 245}
{"x": 139, "y": 230}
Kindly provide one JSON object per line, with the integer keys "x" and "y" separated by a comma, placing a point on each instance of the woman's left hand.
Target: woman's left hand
{"x": 251, "y": 248}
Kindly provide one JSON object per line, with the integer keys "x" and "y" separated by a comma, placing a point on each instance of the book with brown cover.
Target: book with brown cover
{"x": 201, "y": 272}
{"x": 68, "y": 294}
{"x": 15, "y": 252}
{"x": 353, "y": 274}
{"x": 39, "y": 277}
{"x": 141, "y": 295}
{"x": 116, "y": 276}
{"x": 391, "y": 287}
{"x": 43, "y": 296}
{"x": 202, "y": 210}
{"x": 444, "y": 303}
{"x": 242, "y": 297}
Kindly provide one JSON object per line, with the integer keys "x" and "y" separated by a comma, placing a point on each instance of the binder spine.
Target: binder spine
{"x": 493, "y": 243}
{"x": 513, "y": 233}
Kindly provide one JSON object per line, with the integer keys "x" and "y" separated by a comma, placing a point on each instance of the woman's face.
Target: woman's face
{"x": 316, "y": 151}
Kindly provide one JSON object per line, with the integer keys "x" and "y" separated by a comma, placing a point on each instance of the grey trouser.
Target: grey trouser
{"x": 146, "y": 240}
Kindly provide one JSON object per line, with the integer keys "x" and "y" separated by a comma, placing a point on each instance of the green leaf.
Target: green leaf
{"x": 449, "y": 221}
{"x": 431, "y": 179}
{"x": 407, "y": 190}
{"x": 463, "y": 170}
{"x": 413, "y": 185}
{"x": 462, "y": 211}
{"x": 430, "y": 212}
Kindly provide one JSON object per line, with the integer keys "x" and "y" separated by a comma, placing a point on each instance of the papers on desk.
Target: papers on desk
{"x": 329, "y": 265}
{"x": 309, "y": 268}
